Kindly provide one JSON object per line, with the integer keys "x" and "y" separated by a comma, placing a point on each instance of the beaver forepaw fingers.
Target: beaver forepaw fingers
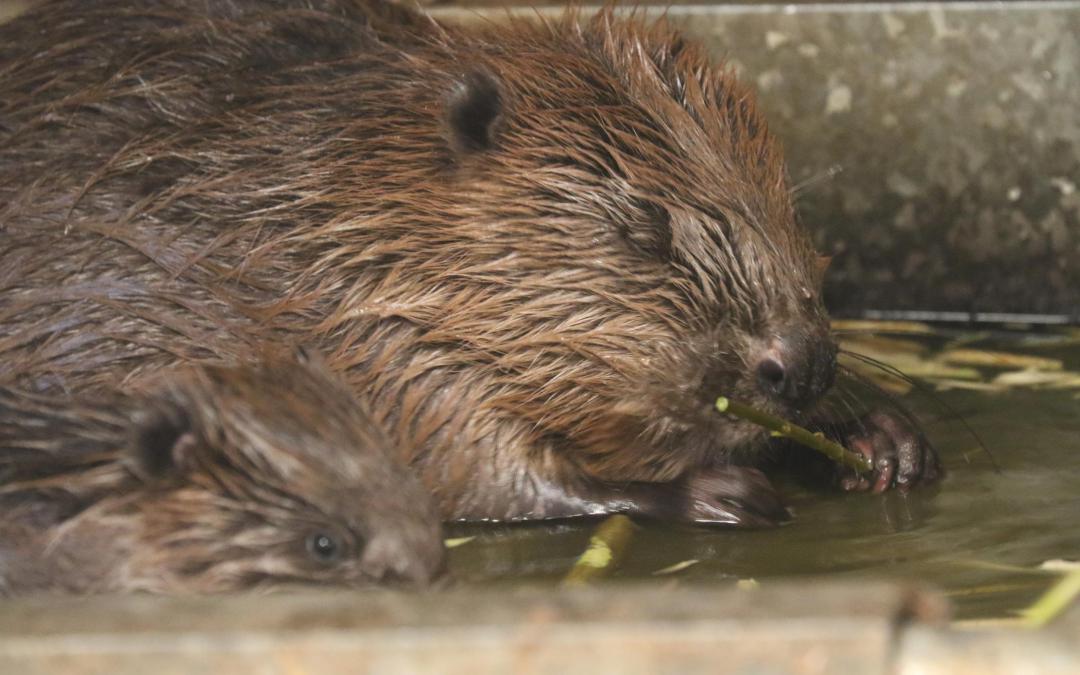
{"x": 901, "y": 455}
{"x": 733, "y": 496}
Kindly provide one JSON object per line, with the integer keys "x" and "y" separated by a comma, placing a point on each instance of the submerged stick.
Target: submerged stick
{"x": 1046, "y": 608}
{"x": 606, "y": 547}
{"x": 781, "y": 427}
{"x": 1053, "y": 602}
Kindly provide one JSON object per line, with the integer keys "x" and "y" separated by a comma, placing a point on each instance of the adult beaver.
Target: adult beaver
{"x": 540, "y": 249}
{"x": 218, "y": 479}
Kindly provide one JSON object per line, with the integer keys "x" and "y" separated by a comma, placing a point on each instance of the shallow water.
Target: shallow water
{"x": 980, "y": 536}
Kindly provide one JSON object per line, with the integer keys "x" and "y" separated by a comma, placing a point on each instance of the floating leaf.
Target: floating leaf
{"x": 454, "y": 542}
{"x": 1037, "y": 378}
{"x": 677, "y": 567}
{"x": 910, "y": 364}
{"x": 1069, "y": 380}
{"x": 898, "y": 327}
{"x": 978, "y": 357}
{"x": 931, "y": 369}
{"x": 886, "y": 345}
{"x": 947, "y": 383}
{"x": 999, "y": 567}
{"x": 1067, "y": 338}
{"x": 1059, "y": 565}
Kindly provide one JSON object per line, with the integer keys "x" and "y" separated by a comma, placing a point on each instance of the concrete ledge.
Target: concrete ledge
{"x": 926, "y": 651}
{"x": 806, "y": 628}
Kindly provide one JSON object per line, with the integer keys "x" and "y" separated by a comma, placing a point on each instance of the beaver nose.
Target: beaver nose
{"x": 392, "y": 557}
{"x": 796, "y": 372}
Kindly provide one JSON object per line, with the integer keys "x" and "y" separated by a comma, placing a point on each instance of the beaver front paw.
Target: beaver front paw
{"x": 901, "y": 454}
{"x": 733, "y": 495}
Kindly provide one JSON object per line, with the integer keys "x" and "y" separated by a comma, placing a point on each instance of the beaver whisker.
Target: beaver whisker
{"x": 830, "y": 172}
{"x": 919, "y": 386}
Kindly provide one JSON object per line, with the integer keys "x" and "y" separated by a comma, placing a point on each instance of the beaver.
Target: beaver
{"x": 214, "y": 479}
{"x": 541, "y": 248}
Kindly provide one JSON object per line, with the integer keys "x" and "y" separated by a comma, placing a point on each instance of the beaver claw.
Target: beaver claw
{"x": 733, "y": 495}
{"x": 901, "y": 455}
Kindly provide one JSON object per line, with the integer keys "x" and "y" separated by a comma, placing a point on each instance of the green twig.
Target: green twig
{"x": 1054, "y": 601}
{"x": 606, "y": 548}
{"x": 1049, "y": 606}
{"x": 782, "y": 427}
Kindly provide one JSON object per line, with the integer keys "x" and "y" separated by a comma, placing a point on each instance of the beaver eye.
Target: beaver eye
{"x": 324, "y": 547}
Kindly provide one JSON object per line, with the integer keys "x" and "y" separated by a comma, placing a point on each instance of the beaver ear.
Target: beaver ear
{"x": 475, "y": 112}
{"x": 161, "y": 442}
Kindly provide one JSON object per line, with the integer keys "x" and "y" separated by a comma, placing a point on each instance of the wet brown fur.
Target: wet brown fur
{"x": 215, "y": 481}
{"x": 540, "y": 249}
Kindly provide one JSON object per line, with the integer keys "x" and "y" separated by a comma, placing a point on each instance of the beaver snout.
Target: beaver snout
{"x": 796, "y": 370}
{"x": 400, "y": 557}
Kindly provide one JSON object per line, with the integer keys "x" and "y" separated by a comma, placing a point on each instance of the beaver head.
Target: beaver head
{"x": 221, "y": 479}
{"x": 598, "y": 217}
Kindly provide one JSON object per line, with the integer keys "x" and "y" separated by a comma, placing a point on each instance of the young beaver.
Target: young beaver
{"x": 540, "y": 249}
{"x": 222, "y": 479}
